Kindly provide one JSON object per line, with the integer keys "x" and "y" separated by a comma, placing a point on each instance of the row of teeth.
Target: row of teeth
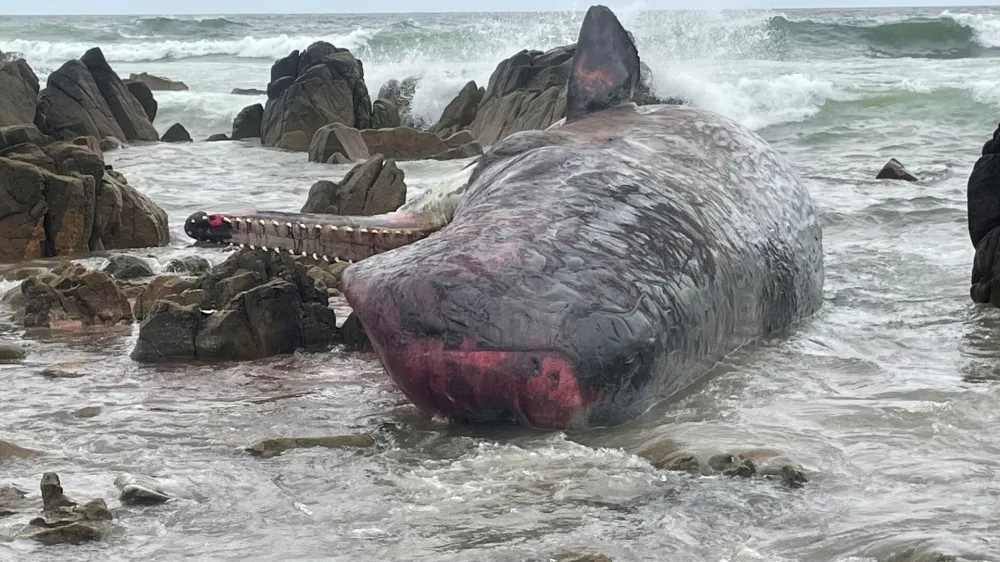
{"x": 392, "y": 231}
{"x": 315, "y": 256}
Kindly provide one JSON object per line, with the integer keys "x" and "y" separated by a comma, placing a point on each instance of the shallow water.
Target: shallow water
{"x": 888, "y": 396}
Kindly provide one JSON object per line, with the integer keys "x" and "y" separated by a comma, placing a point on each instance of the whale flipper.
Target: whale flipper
{"x": 605, "y": 69}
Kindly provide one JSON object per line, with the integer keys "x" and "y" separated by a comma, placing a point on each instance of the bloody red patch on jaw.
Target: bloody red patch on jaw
{"x": 215, "y": 221}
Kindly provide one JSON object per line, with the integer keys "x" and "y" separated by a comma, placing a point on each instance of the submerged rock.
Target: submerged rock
{"x": 191, "y": 265}
{"x": 11, "y": 500}
{"x": 139, "y": 492}
{"x": 66, "y": 522}
{"x": 67, "y": 370}
{"x": 248, "y": 92}
{"x": 580, "y": 555}
{"x": 10, "y": 451}
{"x": 158, "y": 83}
{"x": 74, "y": 294}
{"x": 10, "y": 352}
{"x": 894, "y": 170}
{"x": 176, "y": 133}
{"x": 277, "y": 445}
{"x": 126, "y": 267}
{"x": 762, "y": 463}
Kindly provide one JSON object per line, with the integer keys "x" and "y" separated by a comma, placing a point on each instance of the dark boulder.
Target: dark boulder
{"x": 400, "y": 95}
{"x": 327, "y": 86}
{"x": 248, "y": 92}
{"x": 983, "y": 196}
{"x": 385, "y": 115}
{"x": 13, "y": 135}
{"x": 373, "y": 187}
{"x": 18, "y": 93}
{"x": 144, "y": 96}
{"x": 894, "y": 170}
{"x": 188, "y": 265}
{"x": 158, "y": 83}
{"x": 461, "y": 112}
{"x": 74, "y": 294}
{"x": 176, "y": 133}
{"x": 248, "y": 121}
{"x": 404, "y": 143}
{"x": 125, "y": 218}
{"x": 72, "y": 105}
{"x": 125, "y": 267}
{"x": 336, "y": 139}
{"x": 128, "y": 112}
{"x": 259, "y": 304}
{"x": 218, "y": 137}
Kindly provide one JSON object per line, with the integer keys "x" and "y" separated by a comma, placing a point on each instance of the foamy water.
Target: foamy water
{"x": 888, "y": 396}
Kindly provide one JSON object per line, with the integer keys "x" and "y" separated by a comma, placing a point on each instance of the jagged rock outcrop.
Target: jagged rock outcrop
{"x": 385, "y": 115}
{"x": 158, "y": 83}
{"x": 400, "y": 95}
{"x": 73, "y": 294}
{"x": 461, "y": 112}
{"x": 404, "y": 143}
{"x": 87, "y": 98}
{"x": 259, "y": 304}
{"x": 248, "y": 121}
{"x": 60, "y": 199}
{"x": 145, "y": 98}
{"x": 983, "y": 196}
{"x": 14, "y": 135}
{"x": 322, "y": 85}
{"x": 370, "y": 188}
{"x": 528, "y": 92}
{"x": 128, "y": 112}
{"x": 18, "y": 93}
{"x": 338, "y": 140}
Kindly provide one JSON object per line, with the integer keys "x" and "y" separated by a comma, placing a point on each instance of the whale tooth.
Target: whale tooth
{"x": 326, "y": 259}
{"x": 304, "y": 254}
{"x": 302, "y": 226}
{"x": 397, "y": 232}
{"x": 251, "y": 247}
{"x": 275, "y": 223}
{"x": 288, "y": 224}
{"x": 227, "y": 220}
{"x": 277, "y": 250}
{"x": 192, "y": 221}
{"x": 243, "y": 245}
{"x": 292, "y": 252}
{"x": 336, "y": 260}
{"x": 262, "y": 223}
{"x": 362, "y": 230}
{"x": 333, "y": 228}
{"x": 263, "y": 248}
{"x": 350, "y": 261}
{"x": 314, "y": 256}
{"x": 348, "y": 229}
{"x": 318, "y": 227}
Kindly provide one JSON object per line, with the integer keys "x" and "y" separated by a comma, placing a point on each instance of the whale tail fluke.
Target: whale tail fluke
{"x": 605, "y": 69}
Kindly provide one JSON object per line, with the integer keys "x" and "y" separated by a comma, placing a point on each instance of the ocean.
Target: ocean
{"x": 889, "y": 396}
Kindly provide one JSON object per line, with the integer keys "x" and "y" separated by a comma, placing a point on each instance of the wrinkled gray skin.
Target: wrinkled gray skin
{"x": 632, "y": 248}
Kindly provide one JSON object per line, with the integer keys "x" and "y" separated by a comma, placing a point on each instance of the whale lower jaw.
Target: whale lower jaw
{"x": 537, "y": 388}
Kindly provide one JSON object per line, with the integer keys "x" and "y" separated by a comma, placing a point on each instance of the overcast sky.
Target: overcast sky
{"x": 177, "y": 7}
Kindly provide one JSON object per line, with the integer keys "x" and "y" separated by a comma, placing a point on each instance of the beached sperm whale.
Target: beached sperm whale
{"x": 584, "y": 272}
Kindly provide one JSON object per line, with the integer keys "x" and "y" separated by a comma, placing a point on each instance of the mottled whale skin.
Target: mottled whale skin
{"x": 590, "y": 270}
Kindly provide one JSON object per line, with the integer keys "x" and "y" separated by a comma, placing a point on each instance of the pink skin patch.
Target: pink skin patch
{"x": 540, "y": 387}
{"x": 595, "y": 79}
{"x": 215, "y": 221}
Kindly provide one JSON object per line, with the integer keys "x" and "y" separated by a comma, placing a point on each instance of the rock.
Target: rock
{"x": 22, "y": 210}
{"x": 277, "y": 445}
{"x": 327, "y": 86}
{"x": 338, "y": 139}
{"x": 461, "y": 112}
{"x": 323, "y": 279}
{"x": 68, "y": 370}
{"x": 193, "y": 265}
{"x": 353, "y": 334}
{"x": 11, "y": 500}
{"x": 140, "y": 91}
{"x": 528, "y": 91}
{"x": 218, "y": 137}
{"x": 128, "y": 112}
{"x": 176, "y": 133}
{"x": 18, "y": 93}
{"x": 137, "y": 492}
{"x": 109, "y": 143}
{"x": 71, "y": 158}
{"x": 76, "y": 295}
{"x": 404, "y": 143}
{"x": 157, "y": 83}
{"x": 464, "y": 151}
{"x": 248, "y": 92}
{"x": 72, "y": 105}
{"x": 894, "y": 170}
{"x": 161, "y": 288}
{"x": 10, "y": 451}
{"x": 125, "y": 218}
{"x": 125, "y": 267}
{"x": 30, "y": 154}
{"x": 65, "y": 522}
{"x": 296, "y": 141}
{"x": 167, "y": 333}
{"x": 248, "y": 122}
{"x": 12, "y": 135}
{"x": 10, "y": 353}
{"x": 373, "y": 187}
{"x": 579, "y": 555}
{"x": 264, "y": 304}
{"x": 400, "y": 95}
{"x": 88, "y": 412}
{"x": 385, "y": 115}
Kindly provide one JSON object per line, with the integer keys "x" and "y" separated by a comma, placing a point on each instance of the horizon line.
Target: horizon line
{"x": 501, "y": 11}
